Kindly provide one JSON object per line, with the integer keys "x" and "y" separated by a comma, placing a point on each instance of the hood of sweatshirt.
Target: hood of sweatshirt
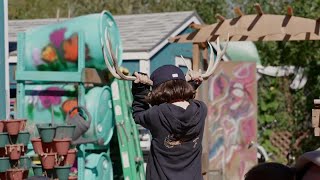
{"x": 180, "y": 122}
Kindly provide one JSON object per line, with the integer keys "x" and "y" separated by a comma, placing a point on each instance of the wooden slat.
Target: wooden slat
{"x": 220, "y": 17}
{"x": 315, "y": 117}
{"x": 289, "y": 11}
{"x": 317, "y": 131}
{"x": 258, "y": 8}
{"x": 238, "y": 11}
{"x": 195, "y": 57}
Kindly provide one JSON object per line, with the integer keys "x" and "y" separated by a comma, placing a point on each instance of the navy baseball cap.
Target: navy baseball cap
{"x": 166, "y": 73}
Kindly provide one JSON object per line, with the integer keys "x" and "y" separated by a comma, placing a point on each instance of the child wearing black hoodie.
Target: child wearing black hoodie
{"x": 175, "y": 120}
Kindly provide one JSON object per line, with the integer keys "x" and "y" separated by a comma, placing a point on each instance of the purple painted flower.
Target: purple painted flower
{"x": 50, "y": 97}
{"x": 57, "y": 37}
{"x": 36, "y": 56}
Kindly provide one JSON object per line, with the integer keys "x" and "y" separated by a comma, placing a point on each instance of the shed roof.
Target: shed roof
{"x": 139, "y": 32}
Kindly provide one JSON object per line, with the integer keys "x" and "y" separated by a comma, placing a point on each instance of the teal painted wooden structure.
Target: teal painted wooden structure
{"x": 3, "y": 56}
{"x": 129, "y": 147}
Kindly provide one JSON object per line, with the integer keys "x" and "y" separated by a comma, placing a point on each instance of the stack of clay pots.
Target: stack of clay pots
{"x": 54, "y": 150}
{"x": 14, "y": 165}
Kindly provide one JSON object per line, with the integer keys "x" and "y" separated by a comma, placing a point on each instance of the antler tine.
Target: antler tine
{"x": 110, "y": 68}
{"x": 115, "y": 63}
{"x": 220, "y": 53}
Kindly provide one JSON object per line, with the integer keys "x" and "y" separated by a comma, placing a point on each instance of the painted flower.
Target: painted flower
{"x": 36, "y": 56}
{"x": 50, "y": 97}
{"x": 49, "y": 54}
{"x": 70, "y": 48}
{"x": 68, "y": 105}
{"x": 57, "y": 37}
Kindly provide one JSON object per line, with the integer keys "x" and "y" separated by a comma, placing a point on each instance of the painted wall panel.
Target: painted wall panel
{"x": 232, "y": 119}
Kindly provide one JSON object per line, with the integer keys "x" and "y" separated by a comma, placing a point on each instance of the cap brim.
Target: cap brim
{"x": 312, "y": 156}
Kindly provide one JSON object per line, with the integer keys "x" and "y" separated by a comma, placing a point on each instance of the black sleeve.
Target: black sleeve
{"x": 140, "y": 107}
{"x": 194, "y": 84}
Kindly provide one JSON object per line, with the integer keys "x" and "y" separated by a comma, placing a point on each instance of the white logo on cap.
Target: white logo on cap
{"x": 174, "y": 75}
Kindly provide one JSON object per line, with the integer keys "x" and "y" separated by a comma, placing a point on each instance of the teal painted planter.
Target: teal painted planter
{"x": 62, "y": 172}
{"x": 4, "y": 164}
{"x": 52, "y": 47}
{"x": 4, "y": 139}
{"x": 37, "y": 170}
{"x": 46, "y": 132}
{"x": 98, "y": 103}
{"x": 64, "y": 131}
{"x": 25, "y": 162}
{"x": 98, "y": 166}
{"x": 23, "y": 138}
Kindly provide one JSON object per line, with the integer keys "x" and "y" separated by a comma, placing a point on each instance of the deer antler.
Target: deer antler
{"x": 213, "y": 64}
{"x": 115, "y": 70}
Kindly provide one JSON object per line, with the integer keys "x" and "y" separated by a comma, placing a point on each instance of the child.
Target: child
{"x": 175, "y": 120}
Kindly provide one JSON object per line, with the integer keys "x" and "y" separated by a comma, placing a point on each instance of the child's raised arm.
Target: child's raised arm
{"x": 140, "y": 89}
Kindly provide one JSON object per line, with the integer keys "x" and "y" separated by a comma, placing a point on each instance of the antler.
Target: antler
{"x": 214, "y": 63}
{"x": 114, "y": 70}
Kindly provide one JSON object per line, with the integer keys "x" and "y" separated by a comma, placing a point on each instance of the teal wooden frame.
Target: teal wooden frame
{"x": 22, "y": 76}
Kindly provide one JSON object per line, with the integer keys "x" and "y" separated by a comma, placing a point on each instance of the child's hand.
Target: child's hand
{"x": 195, "y": 76}
{"x": 142, "y": 78}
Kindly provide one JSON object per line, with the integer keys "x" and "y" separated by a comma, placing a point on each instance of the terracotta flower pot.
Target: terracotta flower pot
{"x": 73, "y": 178}
{"x": 1, "y": 126}
{"x": 37, "y": 145}
{"x": 37, "y": 170}
{"x": 15, "y": 174}
{"x": 62, "y": 145}
{"x": 4, "y": 164}
{"x": 3, "y": 175}
{"x": 13, "y": 127}
{"x": 23, "y": 124}
{"x": 48, "y": 160}
{"x": 4, "y": 139}
{"x": 14, "y": 151}
{"x": 71, "y": 157}
{"x": 25, "y": 174}
{"x": 46, "y": 132}
{"x": 48, "y": 147}
{"x": 62, "y": 172}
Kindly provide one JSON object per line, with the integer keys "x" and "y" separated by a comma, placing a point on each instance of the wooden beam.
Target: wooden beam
{"x": 195, "y": 56}
{"x": 220, "y": 17}
{"x": 238, "y": 11}
{"x": 196, "y": 26}
{"x": 290, "y": 11}
{"x": 258, "y": 8}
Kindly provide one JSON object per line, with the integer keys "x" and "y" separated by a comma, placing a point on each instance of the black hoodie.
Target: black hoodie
{"x": 177, "y": 133}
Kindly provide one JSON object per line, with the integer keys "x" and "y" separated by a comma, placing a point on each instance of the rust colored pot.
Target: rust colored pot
{"x": 3, "y": 175}
{"x": 37, "y": 145}
{"x": 73, "y": 178}
{"x": 15, "y": 174}
{"x": 62, "y": 145}
{"x": 23, "y": 124}
{"x": 25, "y": 174}
{"x": 48, "y": 160}
{"x": 12, "y": 127}
{"x": 14, "y": 151}
{"x": 2, "y": 152}
{"x": 71, "y": 157}
{"x": 1, "y": 126}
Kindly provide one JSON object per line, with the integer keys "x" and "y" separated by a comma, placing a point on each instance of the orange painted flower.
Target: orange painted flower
{"x": 68, "y": 105}
{"x": 70, "y": 48}
{"x": 49, "y": 54}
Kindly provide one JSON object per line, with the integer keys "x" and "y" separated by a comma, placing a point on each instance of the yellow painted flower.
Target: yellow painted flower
{"x": 49, "y": 54}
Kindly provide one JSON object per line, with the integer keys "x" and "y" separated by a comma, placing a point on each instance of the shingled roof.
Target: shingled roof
{"x": 139, "y": 32}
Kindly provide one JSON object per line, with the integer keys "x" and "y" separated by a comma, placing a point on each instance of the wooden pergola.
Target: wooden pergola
{"x": 253, "y": 27}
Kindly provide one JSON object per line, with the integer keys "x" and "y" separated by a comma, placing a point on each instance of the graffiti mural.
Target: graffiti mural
{"x": 232, "y": 120}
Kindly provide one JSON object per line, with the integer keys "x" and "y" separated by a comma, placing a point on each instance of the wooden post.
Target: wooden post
{"x": 195, "y": 57}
